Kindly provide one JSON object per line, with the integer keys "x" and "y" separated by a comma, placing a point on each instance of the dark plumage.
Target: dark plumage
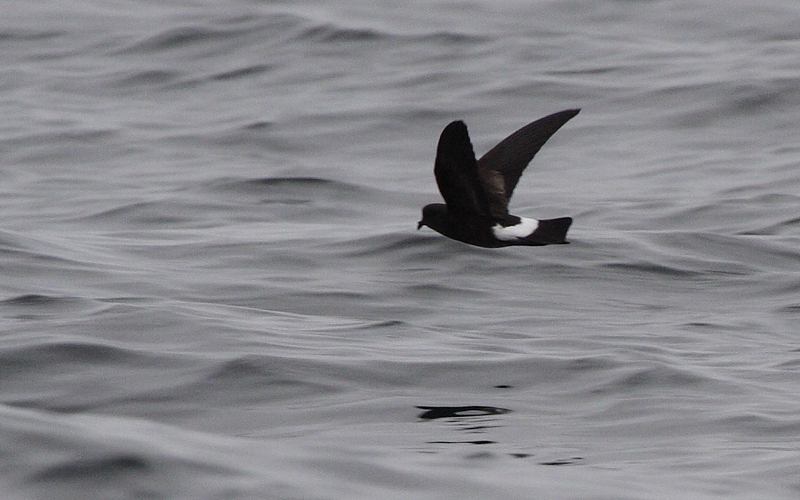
{"x": 477, "y": 192}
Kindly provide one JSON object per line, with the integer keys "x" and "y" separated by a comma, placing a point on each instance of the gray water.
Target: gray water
{"x": 213, "y": 286}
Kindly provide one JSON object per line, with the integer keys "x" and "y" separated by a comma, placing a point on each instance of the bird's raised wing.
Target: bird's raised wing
{"x": 501, "y": 167}
{"x": 456, "y": 171}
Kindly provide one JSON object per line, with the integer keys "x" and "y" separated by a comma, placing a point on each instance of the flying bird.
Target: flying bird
{"x": 477, "y": 192}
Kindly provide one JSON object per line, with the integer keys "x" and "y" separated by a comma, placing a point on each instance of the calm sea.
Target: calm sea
{"x": 212, "y": 285}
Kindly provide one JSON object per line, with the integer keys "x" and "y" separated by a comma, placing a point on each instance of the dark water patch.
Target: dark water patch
{"x": 309, "y": 187}
{"x": 94, "y": 469}
{"x": 679, "y": 256}
{"x": 661, "y": 377}
{"x": 28, "y": 35}
{"x": 765, "y": 200}
{"x": 791, "y": 365}
{"x": 562, "y": 90}
{"x": 596, "y": 363}
{"x": 376, "y": 328}
{"x": 122, "y": 381}
{"x": 251, "y": 378}
{"x": 591, "y": 70}
{"x": 762, "y": 97}
{"x": 254, "y": 69}
{"x": 147, "y": 213}
{"x": 379, "y": 325}
{"x": 792, "y": 309}
{"x": 201, "y": 37}
{"x": 478, "y": 442}
{"x": 729, "y": 254}
{"x": 72, "y": 135}
{"x": 419, "y": 250}
{"x": 32, "y": 300}
{"x": 43, "y": 358}
{"x": 246, "y": 367}
{"x": 148, "y": 78}
{"x": 75, "y": 457}
{"x": 69, "y": 143}
{"x": 41, "y": 256}
{"x": 177, "y": 37}
{"x": 652, "y": 268}
{"x": 71, "y": 377}
{"x": 75, "y": 375}
{"x": 705, "y": 325}
{"x": 36, "y": 306}
{"x": 787, "y": 226}
{"x": 406, "y": 119}
{"x": 721, "y": 101}
{"x": 564, "y": 461}
{"x": 429, "y": 291}
{"x": 274, "y": 31}
{"x": 259, "y": 126}
{"x": 724, "y": 218}
{"x": 306, "y": 184}
{"x": 157, "y": 214}
{"x": 763, "y": 424}
{"x": 13, "y": 242}
{"x": 311, "y": 303}
{"x": 307, "y": 199}
{"x": 527, "y": 373}
{"x": 478, "y": 428}
{"x": 328, "y": 300}
{"x": 654, "y": 379}
{"x": 332, "y": 34}
{"x": 411, "y": 247}
{"x": 450, "y": 38}
{"x": 436, "y": 412}
{"x": 257, "y": 136}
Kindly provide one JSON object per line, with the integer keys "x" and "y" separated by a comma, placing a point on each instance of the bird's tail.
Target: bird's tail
{"x": 551, "y": 231}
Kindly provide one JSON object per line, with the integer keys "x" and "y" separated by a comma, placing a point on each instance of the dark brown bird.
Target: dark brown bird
{"x": 477, "y": 192}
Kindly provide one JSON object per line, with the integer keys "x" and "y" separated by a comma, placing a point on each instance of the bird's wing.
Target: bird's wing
{"x": 501, "y": 167}
{"x": 456, "y": 171}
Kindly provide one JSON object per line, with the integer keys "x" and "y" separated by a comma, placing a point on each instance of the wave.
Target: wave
{"x": 148, "y": 78}
{"x": 205, "y": 38}
{"x": 44, "y": 357}
{"x": 228, "y": 201}
{"x": 328, "y": 32}
{"x": 28, "y": 35}
{"x": 29, "y": 256}
{"x": 652, "y": 268}
{"x": 244, "y": 71}
{"x": 153, "y": 214}
{"x": 40, "y": 374}
{"x": 310, "y": 187}
{"x": 34, "y": 306}
{"x": 83, "y": 456}
{"x": 35, "y": 300}
{"x": 277, "y": 27}
{"x": 270, "y": 31}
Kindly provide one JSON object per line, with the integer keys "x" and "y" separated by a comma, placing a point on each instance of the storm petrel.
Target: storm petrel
{"x": 476, "y": 193}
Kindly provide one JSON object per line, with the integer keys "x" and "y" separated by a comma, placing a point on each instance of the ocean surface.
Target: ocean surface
{"x": 212, "y": 285}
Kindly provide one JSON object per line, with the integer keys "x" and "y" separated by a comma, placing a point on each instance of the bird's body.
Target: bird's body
{"x": 477, "y": 192}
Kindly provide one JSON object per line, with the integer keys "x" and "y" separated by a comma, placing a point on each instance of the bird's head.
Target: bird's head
{"x": 433, "y": 216}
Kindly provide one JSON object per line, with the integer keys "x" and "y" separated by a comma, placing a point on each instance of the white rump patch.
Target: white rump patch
{"x": 525, "y": 228}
